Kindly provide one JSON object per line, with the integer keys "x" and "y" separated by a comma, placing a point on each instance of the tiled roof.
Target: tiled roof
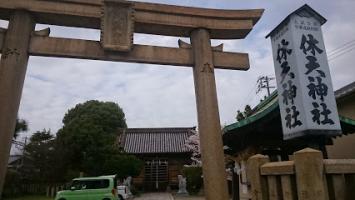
{"x": 346, "y": 90}
{"x": 156, "y": 140}
{"x": 270, "y": 104}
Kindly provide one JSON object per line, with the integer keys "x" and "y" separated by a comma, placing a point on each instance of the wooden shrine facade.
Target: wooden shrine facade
{"x": 118, "y": 20}
{"x": 163, "y": 151}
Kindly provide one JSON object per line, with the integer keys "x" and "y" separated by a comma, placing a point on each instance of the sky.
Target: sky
{"x": 163, "y": 96}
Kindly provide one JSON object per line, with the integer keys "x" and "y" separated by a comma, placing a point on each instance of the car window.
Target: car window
{"x": 77, "y": 185}
{"x": 97, "y": 184}
{"x": 90, "y": 184}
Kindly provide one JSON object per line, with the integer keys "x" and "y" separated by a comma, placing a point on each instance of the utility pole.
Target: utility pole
{"x": 21, "y": 146}
{"x": 264, "y": 82}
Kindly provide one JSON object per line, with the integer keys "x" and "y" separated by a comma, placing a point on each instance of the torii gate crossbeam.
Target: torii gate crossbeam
{"x": 118, "y": 20}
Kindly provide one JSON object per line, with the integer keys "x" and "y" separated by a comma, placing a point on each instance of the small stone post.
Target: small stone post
{"x": 259, "y": 189}
{"x": 310, "y": 175}
{"x": 182, "y": 186}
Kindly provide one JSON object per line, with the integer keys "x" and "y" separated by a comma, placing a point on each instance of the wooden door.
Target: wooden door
{"x": 156, "y": 175}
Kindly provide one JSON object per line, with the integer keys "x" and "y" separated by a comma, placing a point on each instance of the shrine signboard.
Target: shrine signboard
{"x": 306, "y": 97}
{"x": 117, "y": 25}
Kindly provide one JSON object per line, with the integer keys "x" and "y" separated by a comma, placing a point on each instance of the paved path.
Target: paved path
{"x": 189, "y": 198}
{"x": 155, "y": 196}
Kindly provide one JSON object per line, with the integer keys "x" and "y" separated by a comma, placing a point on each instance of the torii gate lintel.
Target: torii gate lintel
{"x": 20, "y": 41}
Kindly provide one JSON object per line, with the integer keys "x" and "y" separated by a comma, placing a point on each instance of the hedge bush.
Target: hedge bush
{"x": 193, "y": 179}
{"x": 13, "y": 184}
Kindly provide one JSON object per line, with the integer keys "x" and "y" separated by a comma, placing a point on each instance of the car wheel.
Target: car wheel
{"x": 120, "y": 197}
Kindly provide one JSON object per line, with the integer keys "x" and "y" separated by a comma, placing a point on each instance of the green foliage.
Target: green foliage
{"x": 21, "y": 125}
{"x": 88, "y": 138}
{"x": 43, "y": 158}
{"x": 89, "y": 133}
{"x": 248, "y": 111}
{"x": 40, "y": 137}
{"x": 12, "y": 185}
{"x": 123, "y": 165}
{"x": 242, "y": 115}
{"x": 107, "y": 115}
{"x": 239, "y": 116}
{"x": 193, "y": 179}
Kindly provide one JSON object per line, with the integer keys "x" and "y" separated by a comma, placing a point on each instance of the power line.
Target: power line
{"x": 342, "y": 50}
{"x": 349, "y": 50}
{"x": 18, "y": 143}
{"x": 263, "y": 81}
{"x": 341, "y": 46}
{"x": 248, "y": 99}
{"x": 251, "y": 91}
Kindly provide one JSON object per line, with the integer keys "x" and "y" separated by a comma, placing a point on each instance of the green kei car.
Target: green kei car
{"x": 91, "y": 188}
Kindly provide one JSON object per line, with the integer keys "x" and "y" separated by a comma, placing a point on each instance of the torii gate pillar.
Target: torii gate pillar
{"x": 13, "y": 67}
{"x": 214, "y": 174}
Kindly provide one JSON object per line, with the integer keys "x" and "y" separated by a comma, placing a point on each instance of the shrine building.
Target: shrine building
{"x": 261, "y": 132}
{"x": 164, "y": 154}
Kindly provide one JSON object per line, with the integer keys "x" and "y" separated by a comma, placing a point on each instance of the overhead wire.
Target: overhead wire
{"x": 341, "y": 50}
{"x": 249, "y": 96}
{"x": 345, "y": 52}
{"x": 332, "y": 55}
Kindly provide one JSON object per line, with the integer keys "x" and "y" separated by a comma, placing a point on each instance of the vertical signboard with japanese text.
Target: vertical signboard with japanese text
{"x": 305, "y": 92}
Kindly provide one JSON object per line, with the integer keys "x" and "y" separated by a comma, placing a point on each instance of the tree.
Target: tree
{"x": 248, "y": 111}
{"x": 124, "y": 165}
{"x": 106, "y": 115}
{"x": 40, "y": 151}
{"x": 239, "y": 116}
{"x": 193, "y": 144}
{"x": 88, "y": 137}
{"x": 242, "y": 115}
{"x": 21, "y": 125}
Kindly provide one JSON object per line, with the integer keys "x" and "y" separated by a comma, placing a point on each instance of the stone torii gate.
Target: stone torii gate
{"x": 118, "y": 21}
